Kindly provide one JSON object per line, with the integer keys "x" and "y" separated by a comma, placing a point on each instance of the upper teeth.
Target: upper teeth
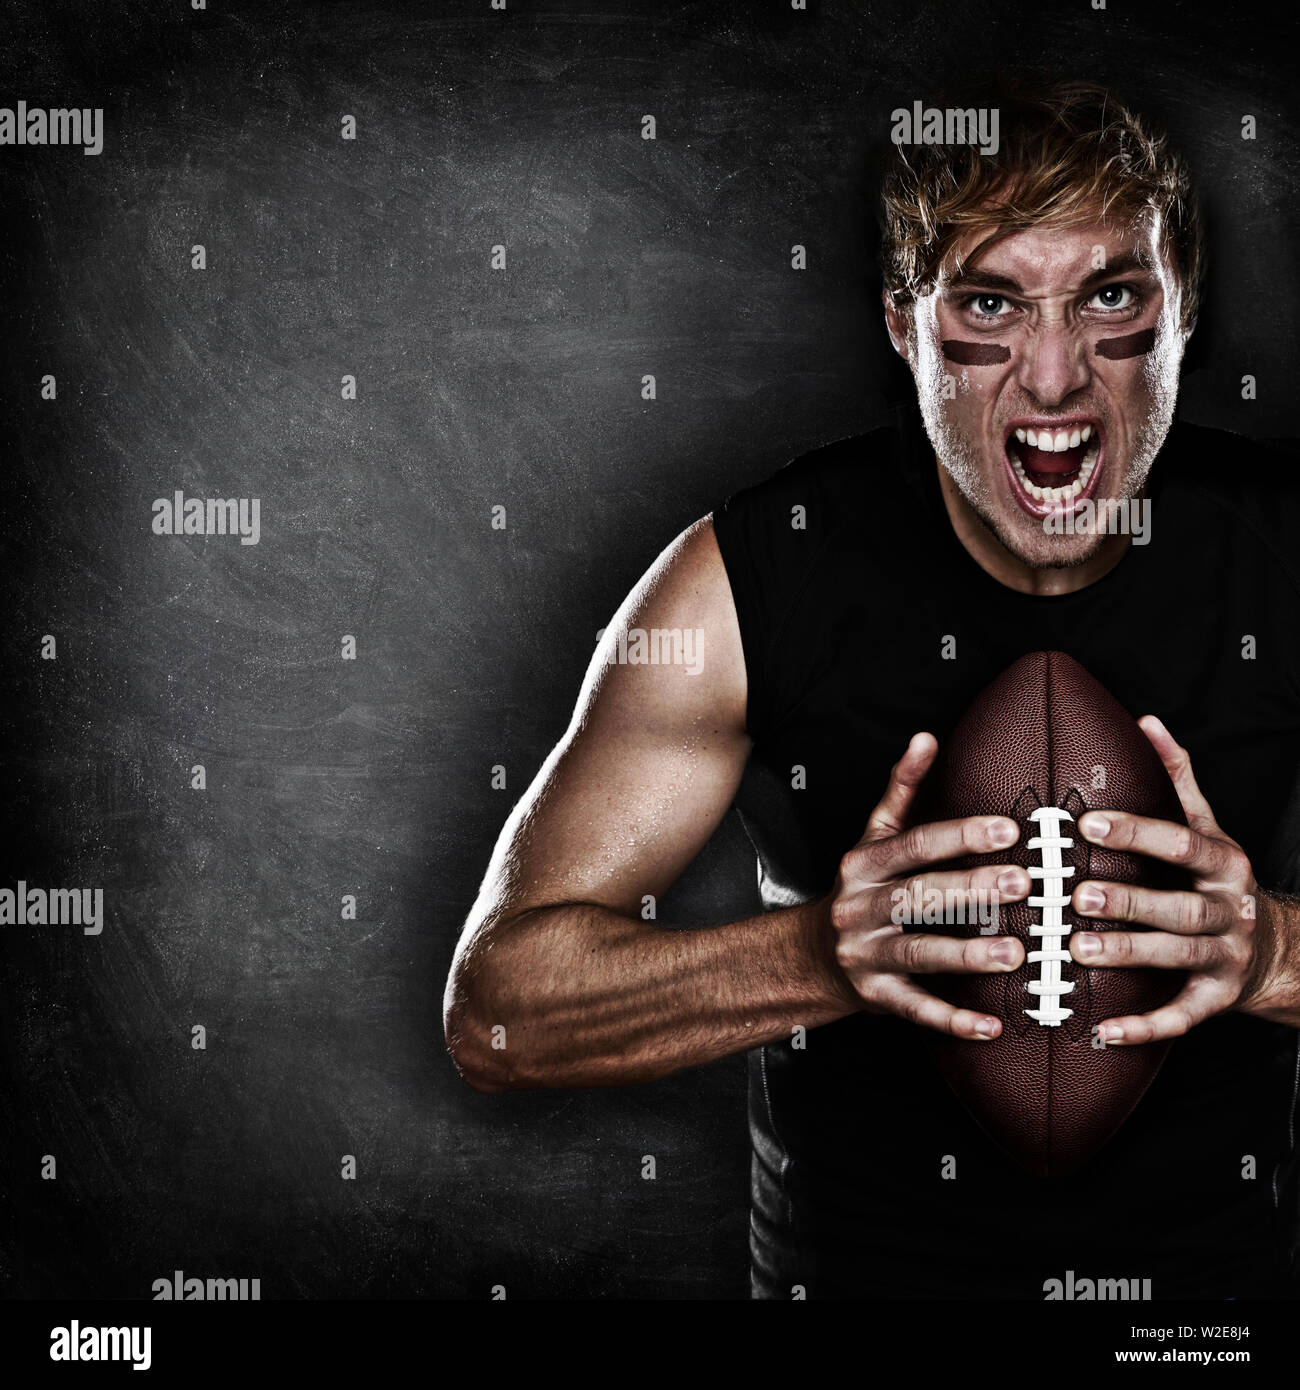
{"x": 1060, "y": 494}
{"x": 1051, "y": 443}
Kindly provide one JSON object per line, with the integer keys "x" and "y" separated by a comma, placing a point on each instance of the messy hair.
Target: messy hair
{"x": 1068, "y": 154}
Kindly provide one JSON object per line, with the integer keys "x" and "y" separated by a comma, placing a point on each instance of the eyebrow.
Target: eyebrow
{"x": 973, "y": 277}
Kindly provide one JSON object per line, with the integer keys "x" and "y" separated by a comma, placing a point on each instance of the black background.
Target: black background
{"x": 475, "y": 388}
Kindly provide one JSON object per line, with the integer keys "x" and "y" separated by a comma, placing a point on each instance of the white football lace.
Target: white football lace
{"x": 1049, "y": 986}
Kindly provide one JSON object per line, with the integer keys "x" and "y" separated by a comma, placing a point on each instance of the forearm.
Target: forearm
{"x": 578, "y": 995}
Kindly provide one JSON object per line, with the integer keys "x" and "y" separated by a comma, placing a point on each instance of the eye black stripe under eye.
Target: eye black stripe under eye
{"x": 975, "y": 354}
{"x": 1130, "y": 345}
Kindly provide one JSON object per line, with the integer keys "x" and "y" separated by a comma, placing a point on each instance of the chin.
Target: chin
{"x": 1040, "y": 551}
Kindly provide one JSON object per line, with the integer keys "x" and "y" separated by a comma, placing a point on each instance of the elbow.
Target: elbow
{"x": 489, "y": 1009}
{"x": 479, "y": 1079}
{"x": 475, "y": 1063}
{"x": 476, "y": 1045}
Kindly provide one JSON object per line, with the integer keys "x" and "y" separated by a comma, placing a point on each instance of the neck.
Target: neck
{"x": 996, "y": 560}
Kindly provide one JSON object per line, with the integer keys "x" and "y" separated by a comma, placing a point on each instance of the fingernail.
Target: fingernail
{"x": 1004, "y": 952}
{"x": 1095, "y": 827}
{"x": 987, "y": 1027}
{"x": 1003, "y": 832}
{"x": 1090, "y": 899}
{"x": 1111, "y": 1032}
{"x": 1011, "y": 881}
{"x": 1087, "y": 943}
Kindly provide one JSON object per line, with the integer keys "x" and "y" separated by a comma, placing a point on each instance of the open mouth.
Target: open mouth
{"x": 1053, "y": 465}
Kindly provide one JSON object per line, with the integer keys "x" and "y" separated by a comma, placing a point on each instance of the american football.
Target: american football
{"x": 1042, "y": 744}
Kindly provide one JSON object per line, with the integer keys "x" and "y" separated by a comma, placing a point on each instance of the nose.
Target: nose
{"x": 1054, "y": 364}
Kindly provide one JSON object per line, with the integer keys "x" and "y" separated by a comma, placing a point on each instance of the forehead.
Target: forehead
{"x": 1047, "y": 259}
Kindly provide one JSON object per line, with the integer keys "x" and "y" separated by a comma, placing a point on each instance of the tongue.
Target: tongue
{"x": 1053, "y": 466}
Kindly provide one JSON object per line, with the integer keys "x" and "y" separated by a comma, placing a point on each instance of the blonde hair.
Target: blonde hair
{"x": 1069, "y": 154}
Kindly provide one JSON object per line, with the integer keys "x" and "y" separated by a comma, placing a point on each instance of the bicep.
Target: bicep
{"x": 654, "y": 753}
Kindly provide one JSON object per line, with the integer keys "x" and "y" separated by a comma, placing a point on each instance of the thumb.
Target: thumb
{"x": 905, "y": 777}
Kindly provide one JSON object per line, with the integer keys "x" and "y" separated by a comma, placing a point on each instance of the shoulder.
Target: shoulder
{"x": 1233, "y": 465}
{"x": 781, "y": 527}
{"x": 793, "y": 540}
{"x": 820, "y": 481}
{"x": 1220, "y": 481}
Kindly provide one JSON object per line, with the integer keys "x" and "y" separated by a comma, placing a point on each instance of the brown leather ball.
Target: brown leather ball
{"x": 1045, "y": 738}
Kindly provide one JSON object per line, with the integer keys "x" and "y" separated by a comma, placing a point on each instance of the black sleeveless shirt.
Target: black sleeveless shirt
{"x": 864, "y": 620}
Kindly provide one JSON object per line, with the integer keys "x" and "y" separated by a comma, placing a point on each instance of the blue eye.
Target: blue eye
{"x": 1109, "y": 297}
{"x": 987, "y": 305}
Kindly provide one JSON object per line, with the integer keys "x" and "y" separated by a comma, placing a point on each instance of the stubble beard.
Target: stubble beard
{"x": 963, "y": 461}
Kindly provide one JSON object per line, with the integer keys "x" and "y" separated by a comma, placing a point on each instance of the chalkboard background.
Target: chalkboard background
{"x": 475, "y": 388}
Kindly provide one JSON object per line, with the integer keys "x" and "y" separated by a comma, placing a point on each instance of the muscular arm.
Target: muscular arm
{"x": 555, "y": 950}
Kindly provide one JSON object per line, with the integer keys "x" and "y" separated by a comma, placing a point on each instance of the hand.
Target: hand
{"x": 875, "y": 953}
{"x": 1220, "y": 931}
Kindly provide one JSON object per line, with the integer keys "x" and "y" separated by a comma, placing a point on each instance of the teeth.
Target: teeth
{"x": 1058, "y": 494}
{"x": 1055, "y": 442}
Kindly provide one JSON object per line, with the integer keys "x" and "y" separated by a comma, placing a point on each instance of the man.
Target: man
{"x": 1042, "y": 297}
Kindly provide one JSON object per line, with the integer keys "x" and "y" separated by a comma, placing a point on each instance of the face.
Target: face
{"x": 1047, "y": 373}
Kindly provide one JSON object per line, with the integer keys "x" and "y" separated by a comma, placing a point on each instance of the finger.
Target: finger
{"x": 1157, "y": 949}
{"x": 1178, "y": 764}
{"x": 1200, "y": 997}
{"x": 908, "y": 1000}
{"x": 932, "y": 842}
{"x": 893, "y": 950}
{"x": 1186, "y": 913}
{"x": 905, "y": 777}
{"x": 1204, "y": 855}
{"x": 990, "y": 883}
{"x": 951, "y": 897}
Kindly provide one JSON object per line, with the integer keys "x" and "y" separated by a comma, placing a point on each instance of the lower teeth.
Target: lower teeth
{"x": 1059, "y": 494}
